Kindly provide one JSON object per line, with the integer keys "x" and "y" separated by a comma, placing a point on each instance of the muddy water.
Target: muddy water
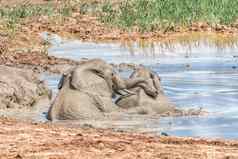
{"x": 198, "y": 74}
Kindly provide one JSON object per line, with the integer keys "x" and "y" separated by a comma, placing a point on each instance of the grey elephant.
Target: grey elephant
{"x": 142, "y": 102}
{"x": 86, "y": 91}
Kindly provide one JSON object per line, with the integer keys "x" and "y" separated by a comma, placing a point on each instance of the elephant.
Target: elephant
{"x": 141, "y": 101}
{"x": 86, "y": 91}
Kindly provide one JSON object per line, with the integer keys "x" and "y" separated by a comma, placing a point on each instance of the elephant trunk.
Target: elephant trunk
{"x": 121, "y": 86}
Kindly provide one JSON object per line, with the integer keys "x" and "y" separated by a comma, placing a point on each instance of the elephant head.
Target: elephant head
{"x": 152, "y": 86}
{"x": 76, "y": 78}
{"x": 79, "y": 77}
{"x": 86, "y": 91}
{"x": 144, "y": 100}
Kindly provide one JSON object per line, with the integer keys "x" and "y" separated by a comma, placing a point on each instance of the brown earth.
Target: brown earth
{"x": 87, "y": 27}
{"x": 37, "y": 62}
{"x": 31, "y": 140}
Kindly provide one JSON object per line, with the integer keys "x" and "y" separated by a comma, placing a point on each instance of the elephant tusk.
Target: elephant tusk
{"x": 125, "y": 92}
{"x": 119, "y": 92}
{"x": 128, "y": 92}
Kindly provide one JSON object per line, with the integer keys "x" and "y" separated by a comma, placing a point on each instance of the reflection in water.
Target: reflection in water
{"x": 147, "y": 51}
{"x": 198, "y": 74}
{"x": 186, "y": 45}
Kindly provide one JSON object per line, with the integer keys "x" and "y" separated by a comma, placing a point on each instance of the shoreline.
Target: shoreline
{"x": 47, "y": 140}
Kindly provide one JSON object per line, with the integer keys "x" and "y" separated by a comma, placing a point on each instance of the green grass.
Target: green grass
{"x": 149, "y": 15}
{"x": 143, "y": 15}
{"x": 11, "y": 17}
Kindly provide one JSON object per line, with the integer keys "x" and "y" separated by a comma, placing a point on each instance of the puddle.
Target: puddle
{"x": 192, "y": 75}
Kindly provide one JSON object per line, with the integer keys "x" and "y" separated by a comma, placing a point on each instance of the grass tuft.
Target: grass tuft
{"x": 149, "y": 15}
{"x": 14, "y": 15}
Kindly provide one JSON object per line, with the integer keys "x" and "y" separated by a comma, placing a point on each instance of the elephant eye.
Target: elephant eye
{"x": 96, "y": 71}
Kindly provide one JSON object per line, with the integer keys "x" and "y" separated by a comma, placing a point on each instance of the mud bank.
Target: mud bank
{"x": 20, "y": 88}
{"x": 37, "y": 62}
{"x": 55, "y": 141}
{"x": 43, "y": 63}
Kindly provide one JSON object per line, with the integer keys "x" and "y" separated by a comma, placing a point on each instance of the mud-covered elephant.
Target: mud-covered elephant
{"x": 143, "y": 103}
{"x": 86, "y": 91}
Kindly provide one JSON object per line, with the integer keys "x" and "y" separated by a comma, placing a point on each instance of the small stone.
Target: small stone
{"x": 87, "y": 126}
{"x": 164, "y": 134}
{"x": 79, "y": 134}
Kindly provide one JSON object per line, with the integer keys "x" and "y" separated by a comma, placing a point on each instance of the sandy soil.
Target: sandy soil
{"x": 32, "y": 140}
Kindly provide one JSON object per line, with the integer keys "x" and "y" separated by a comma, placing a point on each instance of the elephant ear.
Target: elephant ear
{"x": 61, "y": 82}
{"x": 156, "y": 81}
{"x": 77, "y": 79}
{"x": 64, "y": 78}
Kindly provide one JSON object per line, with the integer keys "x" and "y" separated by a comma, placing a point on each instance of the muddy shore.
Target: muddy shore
{"x": 37, "y": 140}
{"x": 43, "y": 63}
{"x": 37, "y": 62}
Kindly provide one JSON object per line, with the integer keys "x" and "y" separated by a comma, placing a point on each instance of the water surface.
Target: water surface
{"x": 193, "y": 75}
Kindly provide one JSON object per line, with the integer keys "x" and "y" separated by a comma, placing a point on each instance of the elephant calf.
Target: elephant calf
{"x": 143, "y": 102}
{"x": 86, "y": 91}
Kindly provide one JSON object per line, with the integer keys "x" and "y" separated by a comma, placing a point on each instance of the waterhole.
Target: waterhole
{"x": 195, "y": 74}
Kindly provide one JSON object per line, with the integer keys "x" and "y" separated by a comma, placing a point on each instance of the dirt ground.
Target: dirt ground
{"x": 31, "y": 140}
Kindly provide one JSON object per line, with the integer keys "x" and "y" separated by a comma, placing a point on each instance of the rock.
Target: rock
{"x": 164, "y": 134}
{"x": 20, "y": 88}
